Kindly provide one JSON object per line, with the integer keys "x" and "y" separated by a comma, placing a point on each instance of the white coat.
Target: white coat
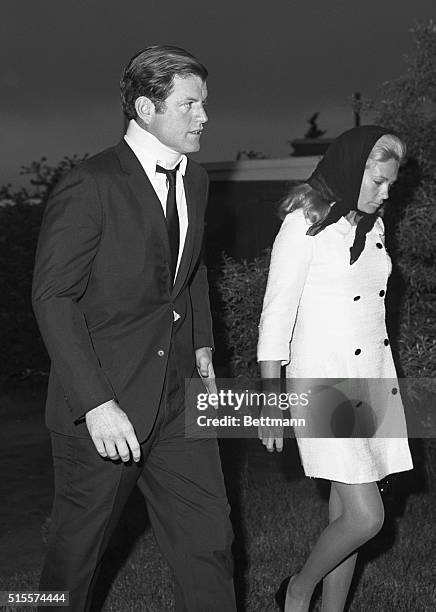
{"x": 324, "y": 318}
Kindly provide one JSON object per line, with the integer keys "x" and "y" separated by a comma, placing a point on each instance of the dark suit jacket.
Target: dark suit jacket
{"x": 102, "y": 291}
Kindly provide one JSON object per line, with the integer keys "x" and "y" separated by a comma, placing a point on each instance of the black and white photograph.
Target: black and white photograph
{"x": 218, "y": 306}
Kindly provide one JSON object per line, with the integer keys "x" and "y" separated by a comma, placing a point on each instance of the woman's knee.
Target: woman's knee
{"x": 371, "y": 520}
{"x": 365, "y": 513}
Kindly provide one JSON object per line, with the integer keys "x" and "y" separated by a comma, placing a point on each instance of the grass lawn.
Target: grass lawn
{"x": 277, "y": 516}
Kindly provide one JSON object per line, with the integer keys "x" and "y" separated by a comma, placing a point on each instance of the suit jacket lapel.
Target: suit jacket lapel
{"x": 192, "y": 206}
{"x": 146, "y": 195}
{"x": 143, "y": 190}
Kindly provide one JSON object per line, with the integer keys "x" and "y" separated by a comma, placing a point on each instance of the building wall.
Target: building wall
{"x": 242, "y": 218}
{"x": 244, "y": 196}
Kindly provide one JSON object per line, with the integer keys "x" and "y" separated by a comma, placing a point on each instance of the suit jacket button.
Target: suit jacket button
{"x": 161, "y": 353}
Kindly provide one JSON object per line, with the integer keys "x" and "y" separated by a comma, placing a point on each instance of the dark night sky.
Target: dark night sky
{"x": 272, "y": 64}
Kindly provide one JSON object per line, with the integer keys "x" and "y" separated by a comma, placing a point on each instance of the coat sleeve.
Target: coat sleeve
{"x": 68, "y": 243}
{"x": 202, "y": 318}
{"x": 199, "y": 291}
{"x": 290, "y": 261}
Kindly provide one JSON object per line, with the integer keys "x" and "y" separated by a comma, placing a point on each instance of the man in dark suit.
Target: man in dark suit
{"x": 121, "y": 298}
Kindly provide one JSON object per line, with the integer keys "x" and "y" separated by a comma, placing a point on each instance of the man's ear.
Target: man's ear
{"x": 145, "y": 109}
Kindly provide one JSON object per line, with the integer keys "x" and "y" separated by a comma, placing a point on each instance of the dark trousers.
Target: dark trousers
{"x": 183, "y": 485}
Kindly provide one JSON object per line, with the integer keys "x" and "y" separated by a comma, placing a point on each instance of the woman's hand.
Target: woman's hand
{"x": 270, "y": 430}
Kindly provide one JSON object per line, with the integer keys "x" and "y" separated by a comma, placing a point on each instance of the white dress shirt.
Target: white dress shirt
{"x": 150, "y": 151}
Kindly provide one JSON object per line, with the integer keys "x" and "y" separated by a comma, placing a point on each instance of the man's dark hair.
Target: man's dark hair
{"x": 151, "y": 73}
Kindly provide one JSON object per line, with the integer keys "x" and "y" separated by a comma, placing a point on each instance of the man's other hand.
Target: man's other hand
{"x": 112, "y": 432}
{"x": 203, "y": 357}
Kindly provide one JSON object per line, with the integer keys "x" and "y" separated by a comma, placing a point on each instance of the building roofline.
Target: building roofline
{"x": 278, "y": 169}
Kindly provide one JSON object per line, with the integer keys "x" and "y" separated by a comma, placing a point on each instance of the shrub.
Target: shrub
{"x": 241, "y": 287}
{"x": 22, "y": 347}
{"x": 23, "y": 351}
{"x": 407, "y": 104}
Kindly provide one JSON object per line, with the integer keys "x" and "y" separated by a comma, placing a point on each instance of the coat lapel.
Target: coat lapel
{"x": 143, "y": 190}
{"x": 146, "y": 195}
{"x": 192, "y": 206}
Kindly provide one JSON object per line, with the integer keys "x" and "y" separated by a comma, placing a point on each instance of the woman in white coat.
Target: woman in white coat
{"x": 323, "y": 317}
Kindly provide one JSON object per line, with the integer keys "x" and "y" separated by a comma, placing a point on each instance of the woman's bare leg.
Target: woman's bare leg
{"x": 361, "y": 518}
{"x": 336, "y": 584}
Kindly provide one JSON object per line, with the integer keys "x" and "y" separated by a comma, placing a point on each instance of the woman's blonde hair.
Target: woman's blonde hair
{"x": 386, "y": 148}
{"x": 304, "y": 196}
{"x": 314, "y": 205}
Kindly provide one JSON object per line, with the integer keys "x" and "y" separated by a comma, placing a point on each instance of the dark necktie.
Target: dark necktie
{"x": 172, "y": 216}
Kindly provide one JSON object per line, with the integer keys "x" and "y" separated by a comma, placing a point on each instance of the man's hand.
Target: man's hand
{"x": 112, "y": 432}
{"x": 271, "y": 434}
{"x": 203, "y": 357}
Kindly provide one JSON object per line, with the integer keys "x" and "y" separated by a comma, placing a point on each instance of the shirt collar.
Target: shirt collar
{"x": 344, "y": 227}
{"x": 151, "y": 151}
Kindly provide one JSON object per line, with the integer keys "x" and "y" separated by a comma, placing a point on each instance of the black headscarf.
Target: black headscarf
{"x": 338, "y": 177}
